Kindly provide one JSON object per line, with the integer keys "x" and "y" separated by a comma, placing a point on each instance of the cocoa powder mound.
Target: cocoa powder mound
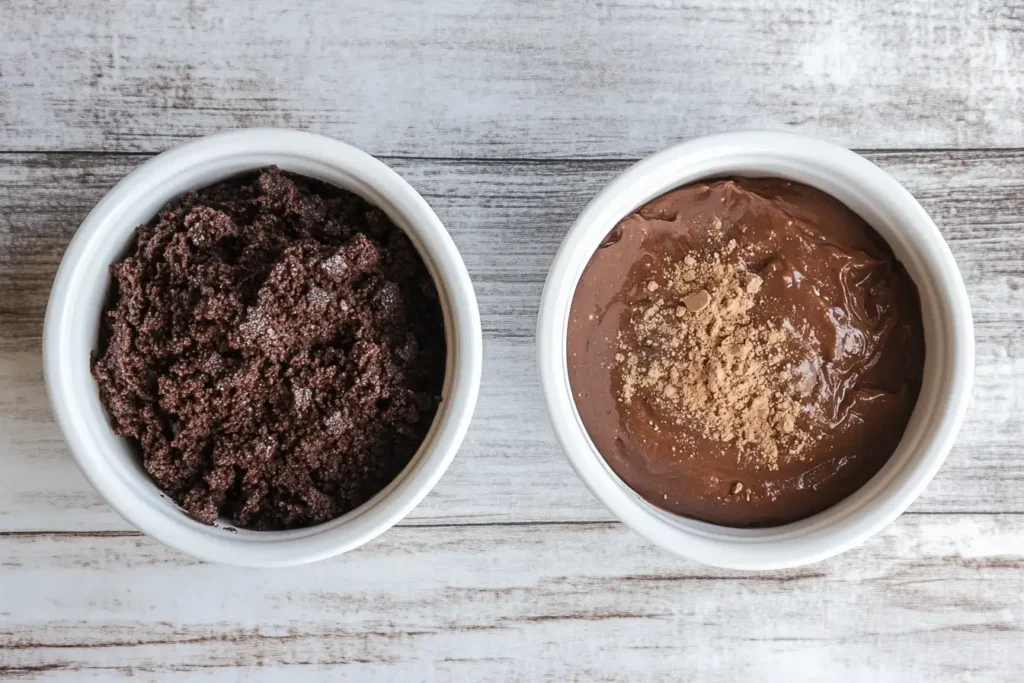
{"x": 275, "y": 348}
{"x": 696, "y": 354}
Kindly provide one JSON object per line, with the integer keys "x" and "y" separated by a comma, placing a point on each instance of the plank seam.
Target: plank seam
{"x": 54, "y": 533}
{"x": 523, "y": 160}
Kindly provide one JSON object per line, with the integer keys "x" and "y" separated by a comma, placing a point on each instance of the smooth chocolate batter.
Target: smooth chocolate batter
{"x": 826, "y": 277}
{"x": 275, "y": 348}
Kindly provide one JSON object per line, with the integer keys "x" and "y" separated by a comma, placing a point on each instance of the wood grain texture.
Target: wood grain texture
{"x": 509, "y": 116}
{"x": 508, "y": 219}
{"x": 934, "y": 597}
{"x": 511, "y": 78}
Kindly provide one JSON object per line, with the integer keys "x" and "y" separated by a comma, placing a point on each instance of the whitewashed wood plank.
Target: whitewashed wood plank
{"x": 509, "y": 78}
{"x": 934, "y": 597}
{"x": 508, "y": 219}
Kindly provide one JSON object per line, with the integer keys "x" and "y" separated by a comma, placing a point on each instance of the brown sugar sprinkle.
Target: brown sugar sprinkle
{"x": 698, "y": 356}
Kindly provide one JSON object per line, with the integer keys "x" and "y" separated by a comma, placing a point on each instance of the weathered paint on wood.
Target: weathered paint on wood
{"x": 509, "y": 78}
{"x": 933, "y": 598}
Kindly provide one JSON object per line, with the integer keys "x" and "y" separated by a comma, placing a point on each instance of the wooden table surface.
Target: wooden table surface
{"x": 508, "y": 116}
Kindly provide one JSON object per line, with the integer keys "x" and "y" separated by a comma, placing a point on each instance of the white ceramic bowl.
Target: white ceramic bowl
{"x": 77, "y": 298}
{"x": 949, "y": 339}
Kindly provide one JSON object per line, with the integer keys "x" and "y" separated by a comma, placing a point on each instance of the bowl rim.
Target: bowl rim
{"x": 76, "y": 404}
{"x": 949, "y": 364}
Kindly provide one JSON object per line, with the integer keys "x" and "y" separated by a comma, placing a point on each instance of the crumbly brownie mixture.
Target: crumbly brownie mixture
{"x": 275, "y": 346}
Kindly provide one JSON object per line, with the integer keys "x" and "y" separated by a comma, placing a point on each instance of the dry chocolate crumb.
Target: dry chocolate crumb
{"x": 697, "y": 301}
{"x": 708, "y": 364}
{"x": 275, "y": 348}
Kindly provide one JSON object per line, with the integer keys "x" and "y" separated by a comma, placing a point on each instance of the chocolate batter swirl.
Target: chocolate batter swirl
{"x": 827, "y": 278}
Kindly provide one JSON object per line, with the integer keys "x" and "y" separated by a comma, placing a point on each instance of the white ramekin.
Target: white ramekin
{"x": 79, "y": 290}
{"x": 949, "y": 338}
